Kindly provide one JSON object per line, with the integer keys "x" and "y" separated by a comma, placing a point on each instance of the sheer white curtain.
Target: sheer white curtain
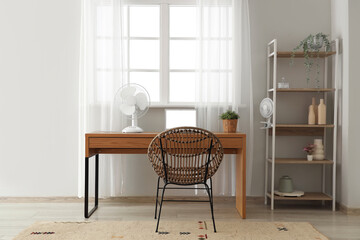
{"x": 224, "y": 75}
{"x": 101, "y": 75}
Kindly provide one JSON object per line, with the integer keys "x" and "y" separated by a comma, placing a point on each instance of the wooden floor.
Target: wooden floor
{"x": 15, "y": 216}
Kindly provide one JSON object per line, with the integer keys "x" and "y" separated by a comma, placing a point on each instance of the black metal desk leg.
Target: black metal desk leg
{"x": 87, "y": 214}
{"x": 96, "y": 180}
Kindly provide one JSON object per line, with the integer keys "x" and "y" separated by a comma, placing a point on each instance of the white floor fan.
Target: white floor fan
{"x": 133, "y": 101}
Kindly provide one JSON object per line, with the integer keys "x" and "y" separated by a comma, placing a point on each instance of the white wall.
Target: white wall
{"x": 39, "y": 47}
{"x": 354, "y": 114}
{"x": 340, "y": 29}
{"x": 345, "y": 20}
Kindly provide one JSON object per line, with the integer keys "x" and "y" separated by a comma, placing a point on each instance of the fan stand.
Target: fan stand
{"x": 133, "y": 128}
{"x": 267, "y": 124}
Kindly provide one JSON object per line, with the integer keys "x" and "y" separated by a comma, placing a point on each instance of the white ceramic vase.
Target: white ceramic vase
{"x": 313, "y": 103}
{"x": 309, "y": 157}
{"x": 322, "y": 112}
{"x": 311, "y": 116}
{"x": 318, "y": 153}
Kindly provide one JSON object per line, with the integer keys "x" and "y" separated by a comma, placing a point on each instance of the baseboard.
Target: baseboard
{"x": 110, "y": 199}
{"x": 117, "y": 199}
{"x": 349, "y": 211}
{"x": 40, "y": 199}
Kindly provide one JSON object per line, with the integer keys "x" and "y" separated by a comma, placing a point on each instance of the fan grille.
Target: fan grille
{"x": 133, "y": 100}
{"x": 266, "y": 107}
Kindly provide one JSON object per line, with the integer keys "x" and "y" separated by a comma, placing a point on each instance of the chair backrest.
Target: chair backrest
{"x": 185, "y": 155}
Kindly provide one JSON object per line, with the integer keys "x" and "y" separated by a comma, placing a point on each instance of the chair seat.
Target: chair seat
{"x": 187, "y": 175}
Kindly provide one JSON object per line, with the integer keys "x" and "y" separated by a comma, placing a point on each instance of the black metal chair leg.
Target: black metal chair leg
{"x": 157, "y": 196}
{"x": 87, "y": 214}
{"x": 211, "y": 204}
{"x": 162, "y": 198}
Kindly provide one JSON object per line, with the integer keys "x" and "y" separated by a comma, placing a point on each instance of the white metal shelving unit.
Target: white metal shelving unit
{"x": 299, "y": 129}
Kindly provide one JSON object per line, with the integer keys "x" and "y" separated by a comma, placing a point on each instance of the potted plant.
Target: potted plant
{"x": 309, "y": 149}
{"x": 230, "y": 119}
{"x": 311, "y": 46}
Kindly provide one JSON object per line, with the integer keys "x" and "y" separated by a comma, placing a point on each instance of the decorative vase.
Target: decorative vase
{"x": 315, "y": 110}
{"x": 319, "y": 150}
{"x": 322, "y": 112}
{"x": 230, "y": 125}
{"x": 285, "y": 184}
{"x": 309, "y": 157}
{"x": 311, "y": 116}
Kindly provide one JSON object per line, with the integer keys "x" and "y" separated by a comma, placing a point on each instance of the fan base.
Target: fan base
{"x": 132, "y": 129}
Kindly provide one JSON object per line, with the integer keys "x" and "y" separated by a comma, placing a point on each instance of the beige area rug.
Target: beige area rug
{"x": 169, "y": 230}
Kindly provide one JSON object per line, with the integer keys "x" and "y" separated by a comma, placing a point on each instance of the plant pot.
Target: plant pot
{"x": 315, "y": 43}
{"x": 309, "y": 157}
{"x": 230, "y": 125}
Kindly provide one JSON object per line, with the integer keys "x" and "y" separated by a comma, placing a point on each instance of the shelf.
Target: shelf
{"x": 300, "y": 129}
{"x": 306, "y": 197}
{"x": 304, "y": 126}
{"x": 303, "y": 90}
{"x": 299, "y": 161}
{"x": 301, "y": 54}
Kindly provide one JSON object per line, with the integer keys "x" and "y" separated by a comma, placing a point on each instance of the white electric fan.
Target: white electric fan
{"x": 133, "y": 100}
{"x": 266, "y": 110}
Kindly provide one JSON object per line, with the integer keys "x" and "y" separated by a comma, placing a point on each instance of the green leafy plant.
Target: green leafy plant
{"x": 311, "y": 46}
{"x": 229, "y": 115}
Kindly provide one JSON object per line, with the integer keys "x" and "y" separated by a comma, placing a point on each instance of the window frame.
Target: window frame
{"x": 164, "y": 65}
{"x": 164, "y": 54}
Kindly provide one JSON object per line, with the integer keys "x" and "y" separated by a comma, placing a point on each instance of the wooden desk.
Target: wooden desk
{"x": 137, "y": 143}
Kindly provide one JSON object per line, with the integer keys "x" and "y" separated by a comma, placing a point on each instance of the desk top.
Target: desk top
{"x": 150, "y": 134}
{"x": 106, "y": 142}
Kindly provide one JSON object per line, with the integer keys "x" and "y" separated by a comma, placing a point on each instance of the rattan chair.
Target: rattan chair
{"x": 185, "y": 156}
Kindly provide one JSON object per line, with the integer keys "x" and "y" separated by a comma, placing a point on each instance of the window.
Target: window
{"x": 160, "y": 49}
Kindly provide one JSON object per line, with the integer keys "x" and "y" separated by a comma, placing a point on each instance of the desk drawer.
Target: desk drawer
{"x": 119, "y": 142}
{"x": 231, "y": 142}
{"x": 129, "y": 142}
